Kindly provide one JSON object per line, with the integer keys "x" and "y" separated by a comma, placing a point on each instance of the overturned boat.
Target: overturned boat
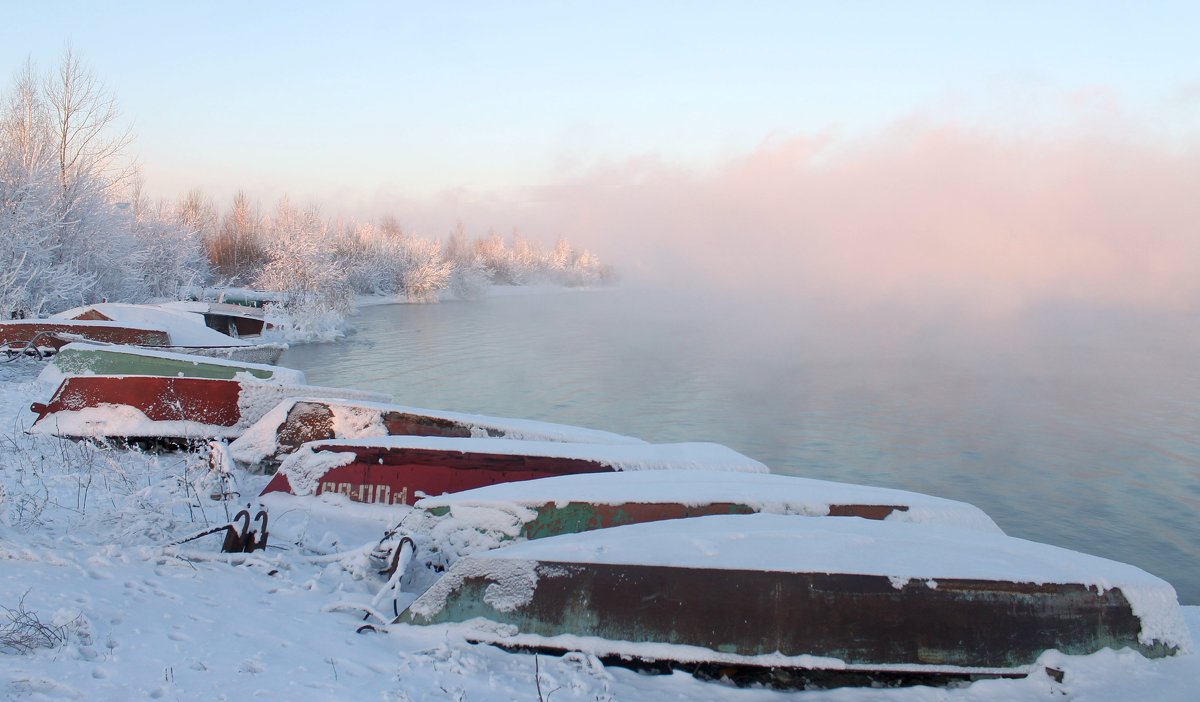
{"x": 237, "y": 321}
{"x": 400, "y": 469}
{"x": 790, "y": 599}
{"x": 171, "y": 409}
{"x": 187, "y": 330}
{"x": 573, "y": 503}
{"x": 298, "y": 421}
{"x": 93, "y": 359}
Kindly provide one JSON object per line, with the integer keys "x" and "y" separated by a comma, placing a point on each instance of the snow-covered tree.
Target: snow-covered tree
{"x": 424, "y": 273}
{"x": 93, "y": 173}
{"x": 170, "y": 257}
{"x": 236, "y": 249}
{"x": 301, "y": 263}
{"x": 33, "y": 276}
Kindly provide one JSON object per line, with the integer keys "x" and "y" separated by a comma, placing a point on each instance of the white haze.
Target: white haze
{"x": 928, "y": 218}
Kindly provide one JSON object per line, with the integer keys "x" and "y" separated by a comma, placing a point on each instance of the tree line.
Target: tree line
{"x": 76, "y": 226}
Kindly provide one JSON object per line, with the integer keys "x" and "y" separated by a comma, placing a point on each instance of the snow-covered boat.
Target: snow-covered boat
{"x": 187, "y": 330}
{"x": 399, "y": 469}
{"x": 92, "y": 359}
{"x": 238, "y": 321}
{"x": 573, "y": 503}
{"x": 298, "y": 421}
{"x": 775, "y": 597}
{"x": 166, "y": 408}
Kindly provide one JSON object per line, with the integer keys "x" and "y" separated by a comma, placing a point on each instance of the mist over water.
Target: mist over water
{"x": 1068, "y": 425}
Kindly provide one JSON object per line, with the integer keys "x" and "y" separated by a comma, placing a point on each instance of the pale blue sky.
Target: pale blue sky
{"x": 353, "y": 103}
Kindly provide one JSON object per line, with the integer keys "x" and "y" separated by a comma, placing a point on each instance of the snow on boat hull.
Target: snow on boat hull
{"x": 394, "y": 470}
{"x": 149, "y": 407}
{"x": 255, "y": 353}
{"x": 302, "y": 420}
{"x": 576, "y": 503}
{"x": 51, "y": 335}
{"x": 698, "y": 606}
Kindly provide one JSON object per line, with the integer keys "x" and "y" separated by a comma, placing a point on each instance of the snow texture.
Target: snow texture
{"x": 511, "y": 585}
{"x": 305, "y": 467}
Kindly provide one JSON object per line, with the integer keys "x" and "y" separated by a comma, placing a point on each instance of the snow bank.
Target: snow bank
{"x": 361, "y": 420}
{"x": 902, "y": 552}
{"x": 770, "y": 493}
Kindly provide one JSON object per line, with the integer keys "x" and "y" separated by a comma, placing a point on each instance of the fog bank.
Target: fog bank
{"x": 925, "y": 215}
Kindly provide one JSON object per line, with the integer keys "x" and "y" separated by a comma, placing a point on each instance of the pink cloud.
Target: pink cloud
{"x": 925, "y": 213}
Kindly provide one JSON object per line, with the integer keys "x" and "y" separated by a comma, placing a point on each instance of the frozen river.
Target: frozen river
{"x": 1070, "y": 428}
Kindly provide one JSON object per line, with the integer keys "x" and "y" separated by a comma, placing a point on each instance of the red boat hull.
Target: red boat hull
{"x": 201, "y": 400}
{"x": 15, "y": 336}
{"x": 390, "y": 475}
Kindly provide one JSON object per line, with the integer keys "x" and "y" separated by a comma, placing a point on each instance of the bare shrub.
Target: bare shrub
{"x": 22, "y": 630}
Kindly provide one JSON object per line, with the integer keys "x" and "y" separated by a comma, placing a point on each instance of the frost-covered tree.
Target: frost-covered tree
{"x": 495, "y": 255}
{"x": 372, "y": 256}
{"x": 93, "y": 172}
{"x": 471, "y": 277}
{"x": 33, "y": 275}
{"x": 237, "y": 250}
{"x": 424, "y": 272}
{"x": 198, "y": 212}
{"x": 68, "y": 229}
{"x": 301, "y": 264}
{"x": 170, "y": 257}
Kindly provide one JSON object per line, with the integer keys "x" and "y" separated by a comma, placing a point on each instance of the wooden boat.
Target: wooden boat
{"x": 187, "y": 330}
{"x": 161, "y": 408}
{"x": 93, "y": 359}
{"x": 574, "y": 503}
{"x": 298, "y": 421}
{"x": 47, "y": 336}
{"x": 790, "y": 599}
{"x": 399, "y": 469}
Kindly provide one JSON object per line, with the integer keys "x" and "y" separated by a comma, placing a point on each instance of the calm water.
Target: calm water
{"x": 1069, "y": 428}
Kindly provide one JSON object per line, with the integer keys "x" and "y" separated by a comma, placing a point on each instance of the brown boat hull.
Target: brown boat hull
{"x": 753, "y": 618}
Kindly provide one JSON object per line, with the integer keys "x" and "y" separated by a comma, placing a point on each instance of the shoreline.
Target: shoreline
{"x": 83, "y": 547}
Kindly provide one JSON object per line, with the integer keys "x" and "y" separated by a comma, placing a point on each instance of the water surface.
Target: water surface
{"x": 1076, "y": 429}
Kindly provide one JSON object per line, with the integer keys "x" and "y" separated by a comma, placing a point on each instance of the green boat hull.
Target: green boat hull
{"x": 72, "y": 361}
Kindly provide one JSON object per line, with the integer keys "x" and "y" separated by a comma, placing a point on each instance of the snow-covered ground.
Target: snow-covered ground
{"x": 85, "y": 538}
